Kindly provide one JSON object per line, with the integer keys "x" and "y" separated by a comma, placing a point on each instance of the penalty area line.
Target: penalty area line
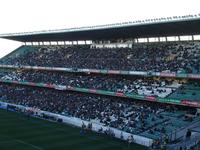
{"x": 31, "y": 145}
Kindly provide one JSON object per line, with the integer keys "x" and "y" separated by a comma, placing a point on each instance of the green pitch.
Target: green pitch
{"x": 18, "y": 132}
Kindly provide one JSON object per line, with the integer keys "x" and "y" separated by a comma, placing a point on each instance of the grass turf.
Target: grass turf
{"x": 18, "y": 132}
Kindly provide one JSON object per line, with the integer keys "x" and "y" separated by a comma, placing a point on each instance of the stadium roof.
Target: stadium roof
{"x": 171, "y": 26}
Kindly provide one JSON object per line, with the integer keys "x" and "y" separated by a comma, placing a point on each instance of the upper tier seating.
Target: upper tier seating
{"x": 182, "y": 57}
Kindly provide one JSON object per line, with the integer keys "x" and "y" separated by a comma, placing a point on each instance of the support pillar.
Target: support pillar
{"x": 192, "y": 37}
{"x": 179, "y": 38}
{"x": 147, "y": 40}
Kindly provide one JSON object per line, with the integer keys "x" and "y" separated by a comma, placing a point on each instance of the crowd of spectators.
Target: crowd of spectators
{"x": 157, "y": 57}
{"x": 128, "y": 115}
{"x": 189, "y": 91}
{"x": 124, "y": 84}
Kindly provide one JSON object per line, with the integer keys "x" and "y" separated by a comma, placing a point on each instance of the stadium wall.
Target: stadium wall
{"x": 78, "y": 123}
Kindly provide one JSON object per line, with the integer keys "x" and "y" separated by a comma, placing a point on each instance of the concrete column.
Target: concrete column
{"x": 179, "y": 38}
{"x": 192, "y": 37}
{"x": 147, "y": 40}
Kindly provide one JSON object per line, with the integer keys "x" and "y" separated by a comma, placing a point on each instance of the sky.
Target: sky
{"x": 36, "y": 15}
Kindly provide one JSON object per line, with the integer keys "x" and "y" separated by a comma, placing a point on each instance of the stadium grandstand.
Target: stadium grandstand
{"x": 135, "y": 81}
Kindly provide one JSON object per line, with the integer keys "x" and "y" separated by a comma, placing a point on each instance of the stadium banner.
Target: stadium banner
{"x": 81, "y": 90}
{"x": 162, "y": 74}
{"x": 39, "y": 84}
{"x": 79, "y": 122}
{"x": 165, "y": 74}
{"x": 135, "y": 96}
{"x": 48, "y": 85}
{"x": 15, "y": 82}
{"x": 41, "y": 68}
{"x": 60, "y": 87}
{"x": 120, "y": 94}
{"x": 92, "y": 90}
{"x": 194, "y": 76}
{"x": 190, "y": 103}
{"x": 83, "y": 70}
{"x": 105, "y": 92}
{"x": 113, "y": 71}
{"x": 94, "y": 71}
{"x": 6, "y": 66}
{"x": 8, "y": 81}
{"x": 124, "y": 72}
{"x": 22, "y": 83}
{"x": 104, "y": 71}
{"x": 182, "y": 75}
{"x": 68, "y": 69}
{"x": 150, "y": 98}
{"x": 30, "y": 83}
{"x": 157, "y": 73}
{"x": 168, "y": 100}
{"x": 150, "y": 73}
{"x": 52, "y": 68}
{"x": 27, "y": 67}
{"x": 138, "y": 73}
{"x": 58, "y": 69}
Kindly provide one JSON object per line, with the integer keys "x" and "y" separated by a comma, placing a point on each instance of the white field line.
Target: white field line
{"x": 20, "y": 141}
{"x": 34, "y": 146}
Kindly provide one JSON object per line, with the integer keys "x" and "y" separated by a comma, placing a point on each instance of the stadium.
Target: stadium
{"x": 132, "y": 85}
